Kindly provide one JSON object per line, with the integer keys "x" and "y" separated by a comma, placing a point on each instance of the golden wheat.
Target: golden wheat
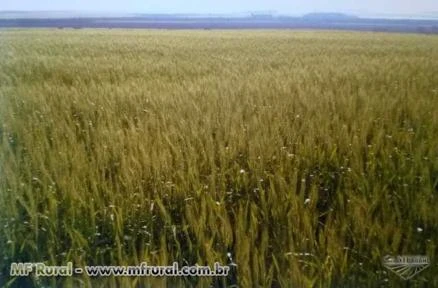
{"x": 301, "y": 156}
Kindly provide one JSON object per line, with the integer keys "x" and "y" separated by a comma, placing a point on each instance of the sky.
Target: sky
{"x": 227, "y": 6}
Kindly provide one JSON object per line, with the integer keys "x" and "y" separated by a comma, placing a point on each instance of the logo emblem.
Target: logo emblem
{"x": 406, "y": 266}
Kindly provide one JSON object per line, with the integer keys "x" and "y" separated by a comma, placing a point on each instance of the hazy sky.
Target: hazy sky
{"x": 228, "y": 6}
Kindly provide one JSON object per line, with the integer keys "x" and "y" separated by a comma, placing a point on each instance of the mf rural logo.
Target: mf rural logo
{"x": 406, "y": 266}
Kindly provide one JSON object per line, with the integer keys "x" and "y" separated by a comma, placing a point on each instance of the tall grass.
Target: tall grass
{"x": 304, "y": 156}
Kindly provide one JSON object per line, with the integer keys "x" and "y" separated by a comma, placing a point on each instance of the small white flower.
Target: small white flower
{"x": 242, "y": 171}
{"x": 307, "y": 201}
{"x": 419, "y": 229}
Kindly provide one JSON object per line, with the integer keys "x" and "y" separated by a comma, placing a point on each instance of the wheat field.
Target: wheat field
{"x": 299, "y": 158}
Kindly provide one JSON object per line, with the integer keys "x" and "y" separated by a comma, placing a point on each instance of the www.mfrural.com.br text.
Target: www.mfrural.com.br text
{"x": 43, "y": 270}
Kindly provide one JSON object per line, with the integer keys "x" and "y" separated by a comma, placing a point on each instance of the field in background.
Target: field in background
{"x": 305, "y": 156}
{"x": 332, "y": 21}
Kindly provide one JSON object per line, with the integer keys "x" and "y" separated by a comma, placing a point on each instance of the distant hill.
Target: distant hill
{"x": 329, "y": 16}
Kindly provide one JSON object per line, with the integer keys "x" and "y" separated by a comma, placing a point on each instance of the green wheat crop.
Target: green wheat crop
{"x": 302, "y": 157}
